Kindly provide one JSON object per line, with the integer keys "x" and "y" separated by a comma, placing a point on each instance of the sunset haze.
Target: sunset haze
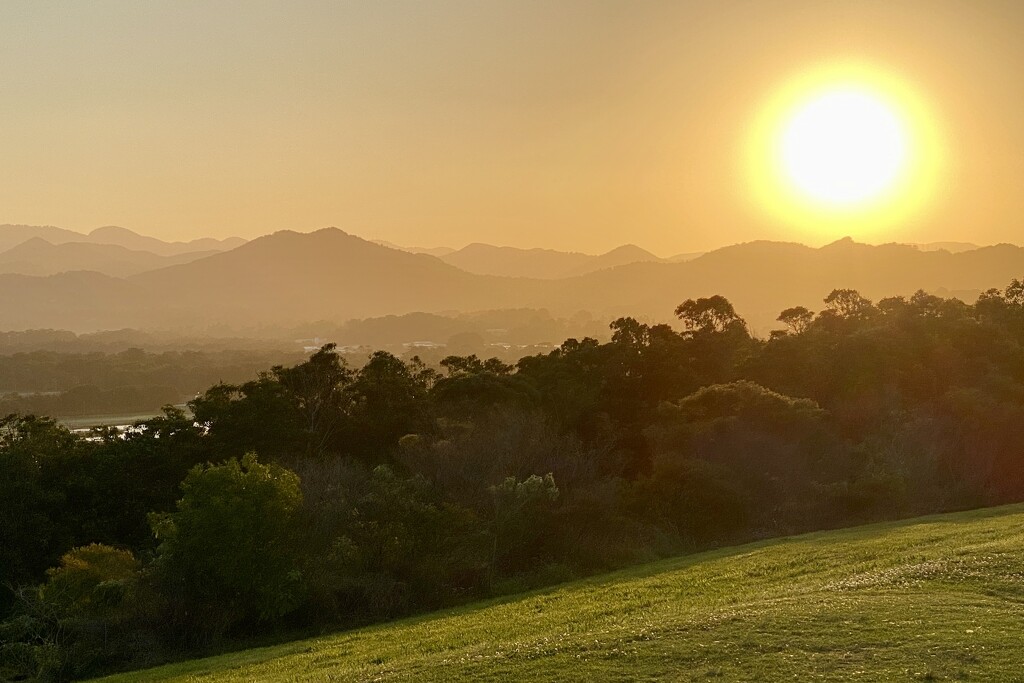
{"x": 576, "y": 125}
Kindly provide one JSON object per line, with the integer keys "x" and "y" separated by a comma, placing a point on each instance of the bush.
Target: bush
{"x": 230, "y": 554}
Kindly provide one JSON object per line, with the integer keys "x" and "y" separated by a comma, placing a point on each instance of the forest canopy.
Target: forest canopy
{"x": 318, "y": 495}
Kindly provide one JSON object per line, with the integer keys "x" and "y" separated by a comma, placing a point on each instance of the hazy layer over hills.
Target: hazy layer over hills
{"x": 484, "y": 259}
{"x": 761, "y": 278}
{"x": 954, "y": 247}
{"x": 13, "y": 235}
{"x": 39, "y": 257}
{"x": 290, "y": 278}
{"x": 112, "y": 234}
{"x": 329, "y": 275}
{"x": 433, "y": 251}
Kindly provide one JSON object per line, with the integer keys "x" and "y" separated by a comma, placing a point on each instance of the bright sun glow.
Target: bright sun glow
{"x": 844, "y": 147}
{"x": 844, "y": 150}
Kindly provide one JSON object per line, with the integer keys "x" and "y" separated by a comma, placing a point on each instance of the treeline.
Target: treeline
{"x": 319, "y": 496}
{"x": 116, "y": 341}
{"x": 130, "y": 381}
{"x": 517, "y": 327}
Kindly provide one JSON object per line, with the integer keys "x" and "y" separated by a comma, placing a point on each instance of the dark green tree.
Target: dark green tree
{"x": 230, "y": 551}
{"x": 711, "y": 314}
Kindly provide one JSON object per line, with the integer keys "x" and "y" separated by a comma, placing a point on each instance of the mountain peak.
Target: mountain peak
{"x": 113, "y": 231}
{"x": 35, "y": 243}
{"x": 842, "y": 243}
{"x": 631, "y": 251}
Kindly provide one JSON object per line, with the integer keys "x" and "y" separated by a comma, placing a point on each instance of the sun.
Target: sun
{"x": 843, "y": 147}
{"x": 844, "y": 150}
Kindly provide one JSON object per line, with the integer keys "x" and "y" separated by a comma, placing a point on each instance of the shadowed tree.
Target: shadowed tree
{"x": 711, "y": 314}
{"x": 229, "y": 553}
{"x": 258, "y": 414}
{"x": 630, "y": 332}
{"x": 848, "y": 303}
{"x": 318, "y": 386}
{"x": 388, "y": 401}
{"x": 37, "y": 457}
{"x": 471, "y": 364}
{"x": 522, "y": 510}
{"x": 1014, "y": 293}
{"x": 797, "y": 319}
{"x": 717, "y": 338}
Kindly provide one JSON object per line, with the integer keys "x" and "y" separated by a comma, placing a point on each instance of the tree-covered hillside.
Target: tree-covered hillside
{"x": 320, "y": 496}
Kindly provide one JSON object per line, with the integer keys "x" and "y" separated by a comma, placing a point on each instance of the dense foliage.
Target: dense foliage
{"x": 318, "y": 496}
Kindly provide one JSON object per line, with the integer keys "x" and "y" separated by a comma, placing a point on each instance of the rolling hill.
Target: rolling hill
{"x": 13, "y": 235}
{"x": 39, "y": 257}
{"x": 545, "y": 264}
{"x": 332, "y": 275}
{"x": 290, "y": 278}
{"x": 933, "y": 598}
{"x": 762, "y": 278}
{"x": 433, "y": 251}
{"x": 952, "y": 247}
{"x": 327, "y": 274}
{"x": 129, "y": 239}
{"x": 80, "y": 301}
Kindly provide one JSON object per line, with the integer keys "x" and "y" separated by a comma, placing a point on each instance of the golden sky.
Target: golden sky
{"x": 572, "y": 124}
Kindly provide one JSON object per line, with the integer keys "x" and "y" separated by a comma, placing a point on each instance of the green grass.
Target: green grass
{"x": 935, "y": 598}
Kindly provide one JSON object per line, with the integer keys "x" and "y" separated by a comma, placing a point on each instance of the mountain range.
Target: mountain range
{"x": 289, "y": 278}
{"x": 546, "y": 264}
{"x": 39, "y": 257}
{"x": 13, "y": 235}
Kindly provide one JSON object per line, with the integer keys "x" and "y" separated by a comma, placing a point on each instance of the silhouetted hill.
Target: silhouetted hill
{"x": 433, "y": 251}
{"x": 129, "y": 239}
{"x": 686, "y": 256}
{"x": 620, "y": 256}
{"x": 289, "y": 278}
{"x": 38, "y": 257}
{"x": 485, "y": 259}
{"x": 13, "y": 235}
{"x": 327, "y": 274}
{"x": 78, "y": 301}
{"x": 545, "y": 264}
{"x": 953, "y": 247}
{"x": 762, "y": 278}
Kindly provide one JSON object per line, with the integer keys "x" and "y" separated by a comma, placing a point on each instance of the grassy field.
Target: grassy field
{"x": 935, "y": 598}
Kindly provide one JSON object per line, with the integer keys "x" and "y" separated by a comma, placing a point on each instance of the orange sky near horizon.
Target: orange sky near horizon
{"x": 579, "y": 125}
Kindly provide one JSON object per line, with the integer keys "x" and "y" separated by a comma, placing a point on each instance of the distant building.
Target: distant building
{"x": 311, "y": 345}
{"x": 422, "y": 345}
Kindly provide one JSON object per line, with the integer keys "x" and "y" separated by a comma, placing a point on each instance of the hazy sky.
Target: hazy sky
{"x": 572, "y": 125}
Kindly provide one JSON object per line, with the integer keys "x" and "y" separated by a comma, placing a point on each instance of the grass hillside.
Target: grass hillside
{"x": 934, "y": 598}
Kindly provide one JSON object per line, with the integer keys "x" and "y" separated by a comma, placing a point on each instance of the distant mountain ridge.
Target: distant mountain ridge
{"x": 39, "y": 257}
{"x": 952, "y": 247}
{"x": 288, "y": 277}
{"x": 433, "y": 251}
{"x": 112, "y": 234}
{"x": 545, "y": 264}
{"x": 13, "y": 235}
{"x": 761, "y": 278}
{"x": 327, "y": 274}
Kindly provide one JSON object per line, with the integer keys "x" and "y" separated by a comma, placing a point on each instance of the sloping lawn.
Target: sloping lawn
{"x": 934, "y": 598}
